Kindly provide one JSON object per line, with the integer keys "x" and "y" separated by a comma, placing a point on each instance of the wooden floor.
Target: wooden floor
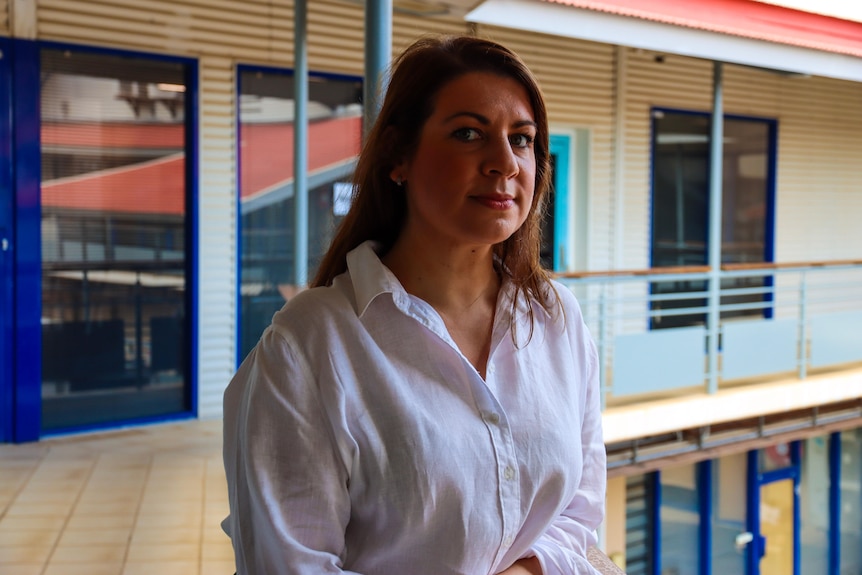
{"x": 142, "y": 501}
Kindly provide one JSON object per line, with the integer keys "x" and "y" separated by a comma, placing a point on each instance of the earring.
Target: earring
{"x": 399, "y": 182}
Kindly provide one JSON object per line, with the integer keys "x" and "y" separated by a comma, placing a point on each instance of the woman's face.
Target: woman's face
{"x": 471, "y": 179}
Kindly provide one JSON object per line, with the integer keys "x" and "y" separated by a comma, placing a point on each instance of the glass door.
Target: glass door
{"x": 777, "y": 527}
{"x": 774, "y": 510}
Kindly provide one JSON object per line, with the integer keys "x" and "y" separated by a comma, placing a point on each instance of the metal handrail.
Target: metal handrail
{"x": 788, "y": 289}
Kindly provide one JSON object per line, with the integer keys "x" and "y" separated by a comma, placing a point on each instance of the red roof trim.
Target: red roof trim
{"x": 743, "y": 18}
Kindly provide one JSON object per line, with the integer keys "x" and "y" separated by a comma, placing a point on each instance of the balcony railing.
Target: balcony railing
{"x": 663, "y": 331}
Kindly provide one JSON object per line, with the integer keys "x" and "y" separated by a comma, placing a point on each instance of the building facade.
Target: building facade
{"x": 148, "y": 209}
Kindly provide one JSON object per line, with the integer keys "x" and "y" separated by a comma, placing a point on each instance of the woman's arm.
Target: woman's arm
{"x": 287, "y": 485}
{"x": 562, "y": 549}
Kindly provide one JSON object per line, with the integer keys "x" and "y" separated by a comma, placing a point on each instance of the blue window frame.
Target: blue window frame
{"x": 21, "y": 391}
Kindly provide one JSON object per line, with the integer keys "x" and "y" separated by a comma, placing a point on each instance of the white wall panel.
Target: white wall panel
{"x": 217, "y": 240}
{"x": 819, "y": 204}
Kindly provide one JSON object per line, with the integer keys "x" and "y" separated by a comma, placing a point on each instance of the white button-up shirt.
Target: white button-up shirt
{"x": 358, "y": 438}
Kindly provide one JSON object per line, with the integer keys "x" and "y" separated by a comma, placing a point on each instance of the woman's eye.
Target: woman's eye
{"x": 521, "y": 140}
{"x": 467, "y": 134}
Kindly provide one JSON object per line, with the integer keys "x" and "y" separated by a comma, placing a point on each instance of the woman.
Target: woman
{"x": 431, "y": 405}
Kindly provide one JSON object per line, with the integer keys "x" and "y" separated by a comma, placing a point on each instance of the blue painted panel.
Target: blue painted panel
{"x": 658, "y": 360}
{"x": 7, "y": 206}
{"x": 561, "y": 148}
{"x": 192, "y": 233}
{"x": 28, "y": 243}
{"x": 836, "y": 338}
{"x": 759, "y": 347}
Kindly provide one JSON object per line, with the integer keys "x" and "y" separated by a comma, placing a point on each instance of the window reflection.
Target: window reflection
{"x": 113, "y": 195}
{"x": 267, "y": 267}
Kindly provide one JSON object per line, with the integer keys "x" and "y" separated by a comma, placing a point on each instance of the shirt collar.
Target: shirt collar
{"x": 370, "y": 278}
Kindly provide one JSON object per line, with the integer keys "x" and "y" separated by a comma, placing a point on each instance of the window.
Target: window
{"x": 267, "y": 267}
{"x": 680, "y": 521}
{"x": 680, "y": 211}
{"x": 114, "y": 223}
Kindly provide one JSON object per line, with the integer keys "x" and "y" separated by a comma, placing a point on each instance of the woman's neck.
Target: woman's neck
{"x": 452, "y": 279}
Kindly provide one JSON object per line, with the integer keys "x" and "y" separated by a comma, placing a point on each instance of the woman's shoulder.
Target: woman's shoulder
{"x": 313, "y": 309}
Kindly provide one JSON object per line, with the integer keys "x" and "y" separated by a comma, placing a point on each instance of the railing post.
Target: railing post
{"x": 716, "y": 146}
{"x": 803, "y": 321}
{"x": 300, "y": 143}
{"x": 603, "y": 343}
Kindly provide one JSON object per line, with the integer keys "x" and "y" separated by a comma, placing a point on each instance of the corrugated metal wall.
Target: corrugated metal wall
{"x": 4, "y": 17}
{"x": 819, "y": 169}
{"x": 222, "y": 34}
{"x": 818, "y": 195}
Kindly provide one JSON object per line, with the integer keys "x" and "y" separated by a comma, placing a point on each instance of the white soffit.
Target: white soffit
{"x": 571, "y": 22}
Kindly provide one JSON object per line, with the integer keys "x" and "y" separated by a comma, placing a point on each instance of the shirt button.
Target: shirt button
{"x": 492, "y": 418}
{"x": 508, "y": 541}
{"x": 509, "y": 473}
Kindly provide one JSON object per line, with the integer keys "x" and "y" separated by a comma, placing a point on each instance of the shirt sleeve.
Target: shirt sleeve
{"x": 562, "y": 549}
{"x": 287, "y": 484}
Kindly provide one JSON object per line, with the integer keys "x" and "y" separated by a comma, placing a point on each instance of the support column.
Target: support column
{"x": 716, "y": 171}
{"x": 378, "y": 50}
{"x": 300, "y": 143}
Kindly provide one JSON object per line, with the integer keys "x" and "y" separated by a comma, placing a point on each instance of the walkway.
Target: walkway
{"x": 131, "y": 502}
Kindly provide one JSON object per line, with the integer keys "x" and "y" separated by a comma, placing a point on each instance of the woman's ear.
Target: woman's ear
{"x": 398, "y": 173}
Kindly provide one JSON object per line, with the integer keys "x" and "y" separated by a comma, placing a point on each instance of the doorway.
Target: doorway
{"x": 774, "y": 513}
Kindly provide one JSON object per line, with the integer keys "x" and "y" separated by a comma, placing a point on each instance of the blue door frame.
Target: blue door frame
{"x": 27, "y": 242}
{"x": 561, "y": 147}
{"x": 7, "y": 205}
{"x": 756, "y": 480}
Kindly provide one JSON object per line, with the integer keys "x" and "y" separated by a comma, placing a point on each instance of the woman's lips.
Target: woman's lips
{"x": 496, "y": 202}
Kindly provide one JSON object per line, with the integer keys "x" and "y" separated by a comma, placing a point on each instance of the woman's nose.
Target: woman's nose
{"x": 501, "y": 159}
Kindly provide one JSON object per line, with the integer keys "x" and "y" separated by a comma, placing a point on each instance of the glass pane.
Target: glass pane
{"x": 266, "y": 185}
{"x": 680, "y": 227}
{"x": 851, "y": 502}
{"x": 814, "y": 499}
{"x": 680, "y": 521}
{"x": 548, "y": 223}
{"x": 776, "y": 525}
{"x": 728, "y": 513}
{"x": 113, "y": 238}
{"x": 774, "y": 457}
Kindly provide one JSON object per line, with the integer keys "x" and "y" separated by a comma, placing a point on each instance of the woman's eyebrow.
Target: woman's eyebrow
{"x": 478, "y": 117}
{"x": 485, "y": 121}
